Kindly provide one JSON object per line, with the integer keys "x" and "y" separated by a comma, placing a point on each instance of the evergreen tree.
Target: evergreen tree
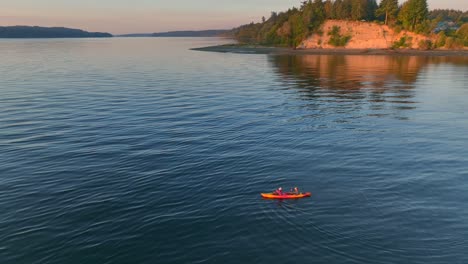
{"x": 338, "y": 7}
{"x": 413, "y": 12}
{"x": 329, "y": 10}
{"x": 357, "y": 9}
{"x": 342, "y": 9}
{"x": 389, "y": 8}
{"x": 370, "y": 9}
{"x": 347, "y": 9}
{"x": 318, "y": 15}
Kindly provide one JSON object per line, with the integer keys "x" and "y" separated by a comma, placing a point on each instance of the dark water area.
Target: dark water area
{"x": 143, "y": 151}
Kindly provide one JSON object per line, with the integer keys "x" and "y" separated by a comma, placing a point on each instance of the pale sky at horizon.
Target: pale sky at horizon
{"x": 147, "y": 16}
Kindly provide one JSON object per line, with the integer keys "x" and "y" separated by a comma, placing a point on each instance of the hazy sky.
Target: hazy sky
{"x": 141, "y": 16}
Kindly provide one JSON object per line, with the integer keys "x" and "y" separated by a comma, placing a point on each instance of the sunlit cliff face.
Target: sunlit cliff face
{"x": 363, "y": 35}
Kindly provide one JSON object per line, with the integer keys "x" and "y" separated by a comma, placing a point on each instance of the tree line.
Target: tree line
{"x": 291, "y": 27}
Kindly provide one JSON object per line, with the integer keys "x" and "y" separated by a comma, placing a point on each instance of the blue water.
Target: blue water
{"x": 143, "y": 151}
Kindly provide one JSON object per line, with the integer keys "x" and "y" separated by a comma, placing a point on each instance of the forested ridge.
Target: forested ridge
{"x": 291, "y": 27}
{"x": 47, "y": 32}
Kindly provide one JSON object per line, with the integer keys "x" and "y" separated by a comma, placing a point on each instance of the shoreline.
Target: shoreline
{"x": 241, "y": 49}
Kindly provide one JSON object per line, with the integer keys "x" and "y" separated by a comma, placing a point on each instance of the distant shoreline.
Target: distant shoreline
{"x": 243, "y": 49}
{"x": 36, "y": 32}
{"x": 181, "y": 33}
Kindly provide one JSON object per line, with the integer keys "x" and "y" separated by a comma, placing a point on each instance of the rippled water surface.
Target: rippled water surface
{"x": 143, "y": 151}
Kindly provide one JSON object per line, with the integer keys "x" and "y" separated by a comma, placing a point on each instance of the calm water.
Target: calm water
{"x": 142, "y": 151}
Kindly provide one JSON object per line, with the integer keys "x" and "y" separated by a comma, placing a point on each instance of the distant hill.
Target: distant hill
{"x": 48, "y": 32}
{"x": 200, "y": 33}
{"x": 136, "y": 35}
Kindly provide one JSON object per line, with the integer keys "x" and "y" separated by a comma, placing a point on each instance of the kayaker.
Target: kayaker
{"x": 279, "y": 191}
{"x": 294, "y": 190}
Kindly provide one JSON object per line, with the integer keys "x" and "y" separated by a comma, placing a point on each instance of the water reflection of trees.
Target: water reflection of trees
{"x": 355, "y": 72}
{"x": 381, "y": 82}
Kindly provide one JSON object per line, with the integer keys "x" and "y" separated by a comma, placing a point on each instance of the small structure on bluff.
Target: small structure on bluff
{"x": 446, "y": 25}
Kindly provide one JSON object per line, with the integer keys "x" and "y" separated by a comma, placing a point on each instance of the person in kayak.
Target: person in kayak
{"x": 294, "y": 190}
{"x": 279, "y": 191}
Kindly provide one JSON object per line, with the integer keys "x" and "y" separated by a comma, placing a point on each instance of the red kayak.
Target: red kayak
{"x": 286, "y": 195}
